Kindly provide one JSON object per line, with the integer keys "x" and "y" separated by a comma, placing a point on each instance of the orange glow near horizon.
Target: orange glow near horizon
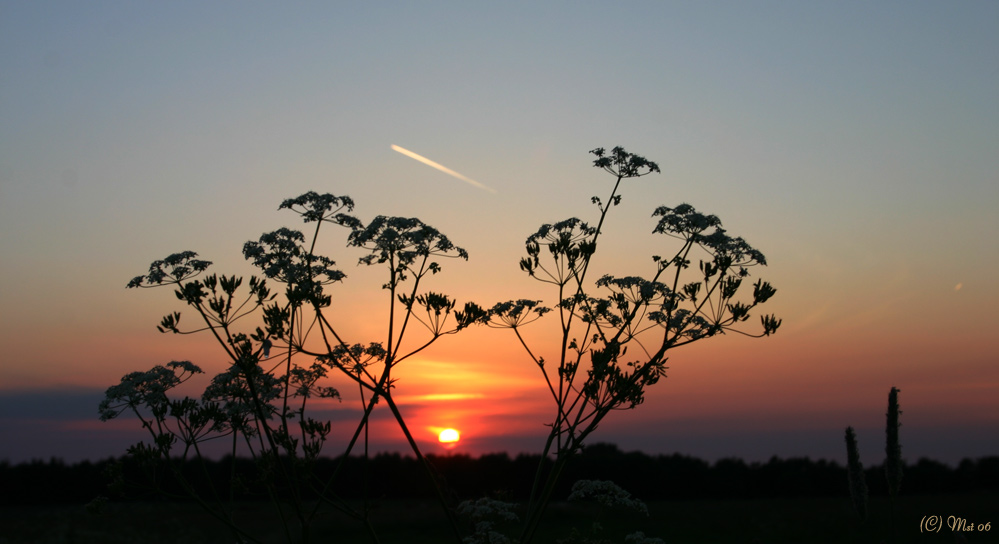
{"x": 483, "y": 386}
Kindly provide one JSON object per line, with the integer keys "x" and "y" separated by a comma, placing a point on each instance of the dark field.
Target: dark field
{"x": 809, "y": 520}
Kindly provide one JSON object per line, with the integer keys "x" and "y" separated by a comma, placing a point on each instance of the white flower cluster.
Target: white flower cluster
{"x": 484, "y": 534}
{"x": 487, "y": 508}
{"x": 481, "y": 510}
{"x": 639, "y": 537}
{"x": 606, "y": 493}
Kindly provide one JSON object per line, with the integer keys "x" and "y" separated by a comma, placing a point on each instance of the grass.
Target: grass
{"x": 772, "y": 521}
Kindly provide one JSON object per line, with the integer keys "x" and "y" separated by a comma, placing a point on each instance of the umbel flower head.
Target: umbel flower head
{"x": 621, "y": 163}
{"x": 313, "y": 207}
{"x": 173, "y": 269}
{"x": 138, "y": 389}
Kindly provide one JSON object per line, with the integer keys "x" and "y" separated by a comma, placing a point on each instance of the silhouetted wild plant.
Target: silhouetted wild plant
{"x": 592, "y": 373}
{"x": 893, "y": 449}
{"x": 262, "y": 399}
{"x": 893, "y": 453}
{"x": 855, "y": 473}
{"x": 893, "y": 463}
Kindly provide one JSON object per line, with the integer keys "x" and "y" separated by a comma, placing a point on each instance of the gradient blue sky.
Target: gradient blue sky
{"x": 854, "y": 143}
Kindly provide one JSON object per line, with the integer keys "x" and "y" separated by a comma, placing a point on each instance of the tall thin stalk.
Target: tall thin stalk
{"x": 855, "y": 474}
{"x": 893, "y": 451}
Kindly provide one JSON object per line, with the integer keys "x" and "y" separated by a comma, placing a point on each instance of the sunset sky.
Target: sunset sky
{"x": 856, "y": 144}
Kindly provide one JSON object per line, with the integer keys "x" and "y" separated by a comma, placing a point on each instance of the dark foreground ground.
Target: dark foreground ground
{"x": 816, "y": 520}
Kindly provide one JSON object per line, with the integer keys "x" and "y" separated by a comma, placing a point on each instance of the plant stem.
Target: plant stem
{"x": 426, "y": 465}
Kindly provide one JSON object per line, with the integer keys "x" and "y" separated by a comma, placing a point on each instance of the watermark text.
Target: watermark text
{"x": 934, "y": 524}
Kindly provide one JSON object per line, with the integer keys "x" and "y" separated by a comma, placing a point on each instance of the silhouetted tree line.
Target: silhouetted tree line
{"x": 669, "y": 477}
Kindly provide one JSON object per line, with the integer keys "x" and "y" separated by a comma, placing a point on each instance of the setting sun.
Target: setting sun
{"x": 449, "y": 436}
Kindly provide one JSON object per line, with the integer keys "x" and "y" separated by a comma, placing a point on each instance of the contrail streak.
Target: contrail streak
{"x": 442, "y": 168}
